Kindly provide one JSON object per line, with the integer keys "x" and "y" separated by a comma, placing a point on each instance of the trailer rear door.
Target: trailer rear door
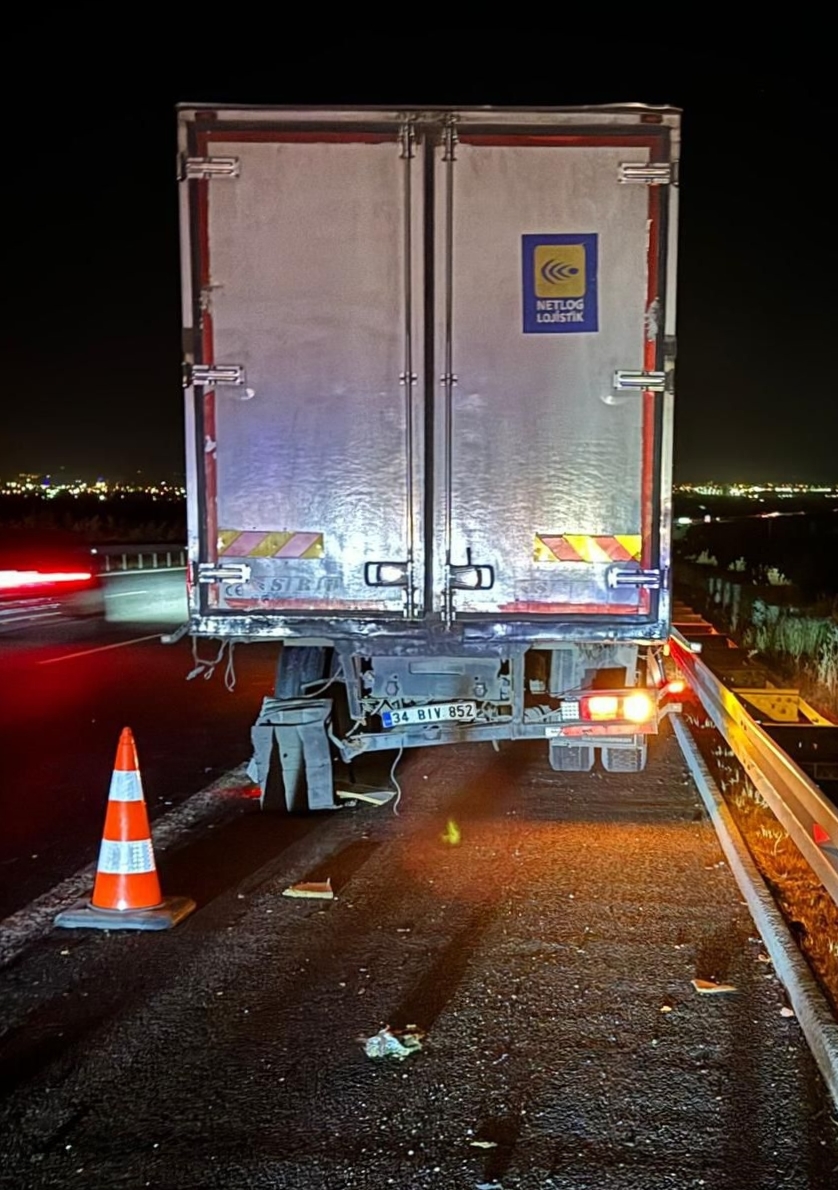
{"x": 427, "y": 361}
{"x": 549, "y": 288}
{"x": 306, "y": 273}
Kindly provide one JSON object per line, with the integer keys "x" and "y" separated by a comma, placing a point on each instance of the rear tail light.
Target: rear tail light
{"x": 638, "y": 707}
{"x": 601, "y": 706}
{"x": 635, "y": 706}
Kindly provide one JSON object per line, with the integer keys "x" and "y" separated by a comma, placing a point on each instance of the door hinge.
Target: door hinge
{"x": 653, "y": 382}
{"x": 407, "y": 138}
{"x": 205, "y": 375}
{"x": 618, "y": 577}
{"x": 232, "y": 572}
{"x": 201, "y": 169}
{"x": 450, "y": 139}
{"x": 648, "y": 173}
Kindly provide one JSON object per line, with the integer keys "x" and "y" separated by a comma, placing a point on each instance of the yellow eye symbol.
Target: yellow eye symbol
{"x": 559, "y": 270}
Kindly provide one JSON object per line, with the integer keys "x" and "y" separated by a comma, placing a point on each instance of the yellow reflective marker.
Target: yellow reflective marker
{"x": 452, "y": 834}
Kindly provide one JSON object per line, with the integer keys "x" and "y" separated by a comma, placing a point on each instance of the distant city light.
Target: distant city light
{"x": 756, "y": 491}
{"x": 48, "y": 487}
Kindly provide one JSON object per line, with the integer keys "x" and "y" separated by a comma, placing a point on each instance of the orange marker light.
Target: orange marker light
{"x": 603, "y": 706}
{"x": 638, "y": 707}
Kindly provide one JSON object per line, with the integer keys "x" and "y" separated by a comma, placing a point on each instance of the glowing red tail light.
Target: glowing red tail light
{"x": 636, "y": 706}
{"x": 600, "y": 706}
{"x": 25, "y": 580}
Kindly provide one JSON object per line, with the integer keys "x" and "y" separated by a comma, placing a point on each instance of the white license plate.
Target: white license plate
{"x": 439, "y": 712}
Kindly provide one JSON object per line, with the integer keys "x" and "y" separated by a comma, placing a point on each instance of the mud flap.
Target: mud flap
{"x": 571, "y": 758}
{"x": 624, "y": 760}
{"x": 291, "y": 762}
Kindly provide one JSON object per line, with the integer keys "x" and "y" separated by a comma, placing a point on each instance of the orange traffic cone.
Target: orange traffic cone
{"x": 126, "y": 893}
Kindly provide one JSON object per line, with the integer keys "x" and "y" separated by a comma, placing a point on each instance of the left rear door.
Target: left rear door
{"x": 303, "y": 274}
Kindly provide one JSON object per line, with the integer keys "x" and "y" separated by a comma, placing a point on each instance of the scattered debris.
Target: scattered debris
{"x": 762, "y": 957}
{"x": 786, "y": 1011}
{"x": 319, "y": 889}
{"x": 488, "y": 1186}
{"x": 452, "y": 834}
{"x": 668, "y": 1007}
{"x": 365, "y": 793}
{"x": 483, "y": 1144}
{"x": 385, "y": 1044}
{"x": 708, "y": 988}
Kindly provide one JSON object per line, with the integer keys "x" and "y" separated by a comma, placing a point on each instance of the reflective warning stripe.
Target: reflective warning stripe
{"x": 126, "y": 859}
{"x": 587, "y": 547}
{"x": 126, "y": 786}
{"x": 239, "y": 543}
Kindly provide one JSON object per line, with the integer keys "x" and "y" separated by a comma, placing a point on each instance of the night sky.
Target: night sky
{"x": 92, "y": 353}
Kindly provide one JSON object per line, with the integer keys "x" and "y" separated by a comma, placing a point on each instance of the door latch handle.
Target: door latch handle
{"x": 471, "y": 577}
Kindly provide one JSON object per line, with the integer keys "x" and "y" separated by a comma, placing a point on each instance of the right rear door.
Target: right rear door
{"x": 547, "y": 285}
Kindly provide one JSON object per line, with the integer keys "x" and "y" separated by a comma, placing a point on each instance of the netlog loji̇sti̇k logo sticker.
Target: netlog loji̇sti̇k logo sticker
{"x": 560, "y": 283}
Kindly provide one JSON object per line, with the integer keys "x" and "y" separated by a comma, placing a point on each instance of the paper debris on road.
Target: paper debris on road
{"x": 364, "y": 793}
{"x": 786, "y": 1011}
{"x": 385, "y": 1044}
{"x": 319, "y": 889}
{"x": 708, "y": 988}
{"x": 483, "y": 1144}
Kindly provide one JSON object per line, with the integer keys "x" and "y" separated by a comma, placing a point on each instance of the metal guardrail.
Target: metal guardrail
{"x": 793, "y": 797}
{"x": 117, "y": 558}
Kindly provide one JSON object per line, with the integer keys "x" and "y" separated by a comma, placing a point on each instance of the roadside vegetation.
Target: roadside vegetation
{"x": 122, "y": 519}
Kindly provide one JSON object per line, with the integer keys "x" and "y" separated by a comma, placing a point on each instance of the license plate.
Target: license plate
{"x": 439, "y": 712}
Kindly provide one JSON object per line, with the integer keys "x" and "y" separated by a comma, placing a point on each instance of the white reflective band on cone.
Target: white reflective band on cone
{"x": 125, "y": 859}
{"x": 126, "y": 786}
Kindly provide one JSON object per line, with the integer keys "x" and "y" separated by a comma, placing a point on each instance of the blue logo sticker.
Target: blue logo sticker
{"x": 560, "y": 284}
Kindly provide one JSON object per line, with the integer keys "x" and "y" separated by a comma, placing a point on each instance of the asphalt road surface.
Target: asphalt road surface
{"x": 546, "y": 956}
{"x": 68, "y": 688}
